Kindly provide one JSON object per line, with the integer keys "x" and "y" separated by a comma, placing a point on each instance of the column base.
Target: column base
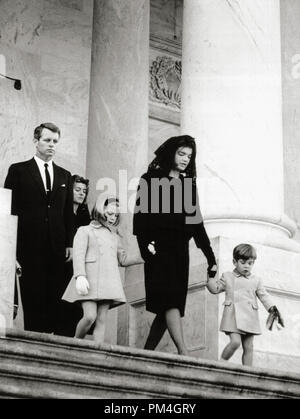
{"x": 276, "y": 232}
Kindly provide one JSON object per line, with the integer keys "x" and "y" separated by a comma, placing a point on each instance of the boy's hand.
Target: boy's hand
{"x": 82, "y": 286}
{"x": 212, "y": 271}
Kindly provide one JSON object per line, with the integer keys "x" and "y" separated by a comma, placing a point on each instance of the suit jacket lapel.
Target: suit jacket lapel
{"x": 35, "y": 172}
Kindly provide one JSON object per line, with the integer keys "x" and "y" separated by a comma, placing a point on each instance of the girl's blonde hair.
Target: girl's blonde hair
{"x": 98, "y": 211}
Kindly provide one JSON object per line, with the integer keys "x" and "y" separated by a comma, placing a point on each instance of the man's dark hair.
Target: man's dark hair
{"x": 48, "y": 125}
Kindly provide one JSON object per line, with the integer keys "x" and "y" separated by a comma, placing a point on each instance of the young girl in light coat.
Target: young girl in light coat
{"x": 240, "y": 318}
{"x": 97, "y": 255}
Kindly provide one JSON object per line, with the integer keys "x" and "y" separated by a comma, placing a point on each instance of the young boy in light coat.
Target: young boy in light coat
{"x": 240, "y": 318}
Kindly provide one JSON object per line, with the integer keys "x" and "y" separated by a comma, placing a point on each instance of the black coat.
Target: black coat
{"x": 45, "y": 230}
{"x": 167, "y": 273}
{"x": 72, "y": 313}
{"x": 36, "y": 216}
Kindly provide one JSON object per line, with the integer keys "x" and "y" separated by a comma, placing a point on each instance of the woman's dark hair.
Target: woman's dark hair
{"x": 165, "y": 156}
{"x": 86, "y": 182}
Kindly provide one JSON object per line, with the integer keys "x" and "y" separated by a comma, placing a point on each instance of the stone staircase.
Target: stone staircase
{"x": 41, "y": 366}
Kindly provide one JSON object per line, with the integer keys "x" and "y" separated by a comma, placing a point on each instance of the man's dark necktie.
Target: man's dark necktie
{"x": 48, "y": 182}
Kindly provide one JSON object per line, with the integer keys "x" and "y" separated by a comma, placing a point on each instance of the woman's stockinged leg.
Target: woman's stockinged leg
{"x": 156, "y": 333}
{"x": 232, "y": 347}
{"x": 101, "y": 322}
{"x": 89, "y": 316}
{"x": 247, "y": 342}
{"x": 174, "y": 325}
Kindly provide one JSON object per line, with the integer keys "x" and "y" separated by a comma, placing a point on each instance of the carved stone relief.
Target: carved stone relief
{"x": 165, "y": 81}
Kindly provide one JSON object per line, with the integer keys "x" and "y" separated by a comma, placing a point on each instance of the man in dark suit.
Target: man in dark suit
{"x": 42, "y": 198}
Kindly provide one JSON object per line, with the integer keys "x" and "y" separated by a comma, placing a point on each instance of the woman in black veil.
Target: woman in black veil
{"x": 167, "y": 216}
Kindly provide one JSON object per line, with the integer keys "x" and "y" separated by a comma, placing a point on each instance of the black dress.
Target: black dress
{"x": 167, "y": 272}
{"x": 71, "y": 313}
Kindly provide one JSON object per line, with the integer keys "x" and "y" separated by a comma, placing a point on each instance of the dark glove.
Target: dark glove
{"x": 16, "y": 308}
{"x": 274, "y": 314}
{"x": 212, "y": 273}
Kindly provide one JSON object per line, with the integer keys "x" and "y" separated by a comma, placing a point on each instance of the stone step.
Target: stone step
{"x": 42, "y": 366}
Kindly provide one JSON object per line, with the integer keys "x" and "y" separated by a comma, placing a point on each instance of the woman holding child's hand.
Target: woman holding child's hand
{"x": 167, "y": 216}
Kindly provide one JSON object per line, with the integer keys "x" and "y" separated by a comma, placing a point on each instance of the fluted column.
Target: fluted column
{"x": 8, "y": 238}
{"x": 118, "y": 121}
{"x": 232, "y": 104}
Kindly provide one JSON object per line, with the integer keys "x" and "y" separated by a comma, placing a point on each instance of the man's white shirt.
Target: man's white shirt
{"x": 41, "y": 166}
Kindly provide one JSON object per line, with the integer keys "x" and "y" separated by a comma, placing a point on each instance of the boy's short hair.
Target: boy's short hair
{"x": 244, "y": 252}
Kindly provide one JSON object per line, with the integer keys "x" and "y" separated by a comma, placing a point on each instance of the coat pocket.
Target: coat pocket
{"x": 254, "y": 306}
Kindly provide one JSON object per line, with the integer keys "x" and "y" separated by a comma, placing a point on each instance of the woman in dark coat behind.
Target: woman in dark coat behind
{"x": 167, "y": 216}
{"x": 72, "y": 313}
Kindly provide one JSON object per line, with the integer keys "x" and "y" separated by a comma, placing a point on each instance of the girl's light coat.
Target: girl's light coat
{"x": 241, "y": 305}
{"x": 97, "y": 255}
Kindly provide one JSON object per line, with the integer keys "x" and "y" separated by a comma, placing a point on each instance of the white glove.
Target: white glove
{"x": 151, "y": 248}
{"x": 82, "y": 286}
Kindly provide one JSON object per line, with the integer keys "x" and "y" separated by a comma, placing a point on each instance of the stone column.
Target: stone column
{"x": 232, "y": 105}
{"x": 8, "y": 238}
{"x": 118, "y": 120}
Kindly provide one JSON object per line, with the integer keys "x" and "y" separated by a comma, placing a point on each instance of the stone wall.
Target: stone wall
{"x": 47, "y": 44}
